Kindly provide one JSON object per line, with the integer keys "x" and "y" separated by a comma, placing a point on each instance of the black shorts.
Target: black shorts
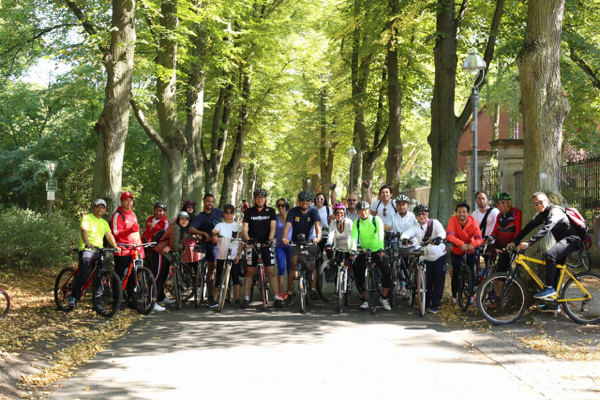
{"x": 268, "y": 256}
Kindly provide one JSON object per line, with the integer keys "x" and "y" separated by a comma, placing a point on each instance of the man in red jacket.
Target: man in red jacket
{"x": 125, "y": 228}
{"x": 464, "y": 234}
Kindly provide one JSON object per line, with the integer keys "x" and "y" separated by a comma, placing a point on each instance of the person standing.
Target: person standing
{"x": 385, "y": 207}
{"x": 282, "y": 252}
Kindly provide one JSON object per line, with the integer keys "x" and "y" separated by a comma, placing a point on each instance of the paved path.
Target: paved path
{"x": 283, "y": 354}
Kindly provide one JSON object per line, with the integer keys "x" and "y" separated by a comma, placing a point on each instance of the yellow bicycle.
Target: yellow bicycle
{"x": 502, "y": 297}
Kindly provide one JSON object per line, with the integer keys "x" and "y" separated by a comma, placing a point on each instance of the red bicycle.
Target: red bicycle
{"x": 144, "y": 287}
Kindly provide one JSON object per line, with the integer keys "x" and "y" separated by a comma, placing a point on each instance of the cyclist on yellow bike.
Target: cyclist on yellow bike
{"x": 553, "y": 219}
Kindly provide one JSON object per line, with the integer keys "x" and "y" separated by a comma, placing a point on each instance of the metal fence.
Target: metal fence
{"x": 488, "y": 181}
{"x": 581, "y": 186}
{"x": 517, "y": 196}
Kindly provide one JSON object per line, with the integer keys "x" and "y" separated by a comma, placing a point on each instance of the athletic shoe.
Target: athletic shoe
{"x": 386, "y": 304}
{"x": 313, "y": 294}
{"x": 365, "y": 305}
{"x": 454, "y": 301}
{"x": 245, "y": 304}
{"x": 289, "y": 298}
{"x": 278, "y": 303}
{"x": 545, "y": 293}
{"x": 166, "y": 301}
{"x": 547, "y": 308}
{"x": 72, "y": 302}
{"x": 237, "y": 303}
{"x": 472, "y": 302}
{"x": 158, "y": 308}
{"x": 211, "y": 299}
{"x": 433, "y": 309}
{"x": 214, "y": 304}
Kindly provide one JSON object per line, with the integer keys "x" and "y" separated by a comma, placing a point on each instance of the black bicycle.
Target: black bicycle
{"x": 304, "y": 272}
{"x": 372, "y": 279}
{"x": 4, "y": 303}
{"x": 180, "y": 281}
{"x": 199, "y": 274}
{"x": 466, "y": 284}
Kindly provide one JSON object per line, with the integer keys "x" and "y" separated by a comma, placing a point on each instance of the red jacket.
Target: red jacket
{"x": 125, "y": 228}
{"x": 507, "y": 227}
{"x": 459, "y": 235}
{"x": 162, "y": 224}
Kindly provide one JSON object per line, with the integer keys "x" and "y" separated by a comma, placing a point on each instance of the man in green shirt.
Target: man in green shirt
{"x": 93, "y": 230}
{"x": 367, "y": 233}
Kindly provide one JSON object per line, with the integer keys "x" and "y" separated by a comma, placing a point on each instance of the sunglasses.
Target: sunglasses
{"x": 349, "y": 200}
{"x": 280, "y": 205}
{"x": 539, "y": 203}
{"x": 228, "y": 212}
{"x": 304, "y": 200}
{"x": 385, "y": 211}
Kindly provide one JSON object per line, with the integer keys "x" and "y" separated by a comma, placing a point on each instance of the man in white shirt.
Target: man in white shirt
{"x": 485, "y": 215}
{"x": 435, "y": 255}
{"x": 385, "y": 207}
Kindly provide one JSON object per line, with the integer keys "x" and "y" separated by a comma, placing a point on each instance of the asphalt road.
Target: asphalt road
{"x": 251, "y": 354}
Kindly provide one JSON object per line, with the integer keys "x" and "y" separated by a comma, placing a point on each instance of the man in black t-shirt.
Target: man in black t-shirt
{"x": 301, "y": 219}
{"x": 260, "y": 222}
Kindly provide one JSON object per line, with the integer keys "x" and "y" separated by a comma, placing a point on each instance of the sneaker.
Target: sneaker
{"x": 386, "y": 304}
{"x": 472, "y": 301}
{"x": 237, "y": 303}
{"x": 166, "y": 301}
{"x": 365, "y": 305}
{"x": 283, "y": 296}
{"x": 245, "y": 304}
{"x": 289, "y": 299}
{"x": 213, "y": 304}
{"x": 454, "y": 301}
{"x": 402, "y": 291}
{"x": 158, "y": 308}
{"x": 278, "y": 303}
{"x": 211, "y": 299}
{"x": 547, "y": 292}
{"x": 313, "y": 294}
{"x": 433, "y": 309}
{"x": 72, "y": 302}
{"x": 547, "y": 308}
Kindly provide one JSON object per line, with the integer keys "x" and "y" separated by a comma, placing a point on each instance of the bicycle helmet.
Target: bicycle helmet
{"x": 402, "y": 198}
{"x": 339, "y": 206}
{"x": 362, "y": 205}
{"x": 184, "y": 214}
{"x": 260, "y": 192}
{"x": 502, "y": 196}
{"x": 189, "y": 203}
{"x": 420, "y": 208}
{"x": 305, "y": 195}
{"x": 161, "y": 204}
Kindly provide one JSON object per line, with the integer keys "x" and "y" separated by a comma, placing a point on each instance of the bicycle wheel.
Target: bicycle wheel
{"x": 395, "y": 284}
{"x": 582, "y": 311}
{"x": 224, "y": 285}
{"x": 144, "y": 292}
{"x": 372, "y": 290}
{"x": 341, "y": 290}
{"x": 63, "y": 287}
{"x": 262, "y": 282}
{"x": 303, "y": 291}
{"x": 505, "y": 308}
{"x": 579, "y": 259}
{"x": 107, "y": 294}
{"x": 421, "y": 290}
{"x": 176, "y": 286}
{"x": 4, "y": 304}
{"x": 186, "y": 282}
{"x": 465, "y": 283}
{"x": 411, "y": 283}
{"x": 326, "y": 280}
{"x": 199, "y": 285}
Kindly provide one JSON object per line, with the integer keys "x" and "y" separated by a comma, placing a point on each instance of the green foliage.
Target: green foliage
{"x": 32, "y": 240}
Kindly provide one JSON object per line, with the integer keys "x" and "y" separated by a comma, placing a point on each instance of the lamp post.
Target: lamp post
{"x": 51, "y": 185}
{"x": 308, "y": 184}
{"x": 474, "y": 67}
{"x": 351, "y": 154}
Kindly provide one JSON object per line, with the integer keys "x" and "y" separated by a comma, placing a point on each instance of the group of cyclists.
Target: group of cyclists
{"x": 331, "y": 231}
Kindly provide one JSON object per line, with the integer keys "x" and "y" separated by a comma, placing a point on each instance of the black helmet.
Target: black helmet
{"x": 260, "y": 192}
{"x": 362, "y": 205}
{"x": 161, "y": 204}
{"x": 420, "y": 208}
{"x": 502, "y": 196}
{"x": 305, "y": 195}
{"x": 402, "y": 198}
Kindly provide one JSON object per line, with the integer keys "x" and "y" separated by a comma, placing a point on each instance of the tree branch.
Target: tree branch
{"x": 150, "y": 131}
{"x": 35, "y": 37}
{"x": 595, "y": 80}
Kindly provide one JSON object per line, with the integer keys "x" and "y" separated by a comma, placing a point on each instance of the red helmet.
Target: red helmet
{"x": 339, "y": 206}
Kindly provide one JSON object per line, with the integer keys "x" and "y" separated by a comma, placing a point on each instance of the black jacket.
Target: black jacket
{"x": 554, "y": 219}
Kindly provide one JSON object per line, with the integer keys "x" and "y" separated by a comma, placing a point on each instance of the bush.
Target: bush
{"x": 33, "y": 240}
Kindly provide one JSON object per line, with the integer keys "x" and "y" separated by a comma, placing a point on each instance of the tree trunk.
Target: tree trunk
{"x": 543, "y": 103}
{"x": 394, "y": 159}
{"x": 231, "y": 170}
{"x": 495, "y": 119}
{"x": 195, "y": 115}
{"x": 112, "y": 126}
{"x": 326, "y": 146}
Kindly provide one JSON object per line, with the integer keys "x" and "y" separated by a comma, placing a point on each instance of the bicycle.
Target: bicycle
{"x": 581, "y": 258}
{"x": 304, "y": 272}
{"x": 326, "y": 279}
{"x": 4, "y": 303}
{"x": 180, "y": 280}
{"x": 372, "y": 280}
{"x": 466, "y": 285}
{"x": 416, "y": 282}
{"x": 199, "y": 288}
{"x": 397, "y": 267}
{"x": 144, "y": 289}
{"x": 260, "y": 278}
{"x": 345, "y": 279}
{"x": 579, "y": 295}
{"x": 106, "y": 286}
{"x": 226, "y": 285}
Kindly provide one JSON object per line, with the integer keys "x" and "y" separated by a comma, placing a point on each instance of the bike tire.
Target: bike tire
{"x": 303, "y": 291}
{"x": 505, "y": 308}
{"x": 411, "y": 283}
{"x": 4, "y": 304}
{"x": 107, "y": 294}
{"x": 325, "y": 284}
{"x": 578, "y": 259}
{"x": 465, "y": 284}
{"x": 582, "y": 311}
{"x": 341, "y": 290}
{"x": 395, "y": 283}
{"x": 186, "y": 282}
{"x": 372, "y": 290}
{"x": 199, "y": 284}
{"x": 263, "y": 286}
{"x": 224, "y": 286}
{"x": 421, "y": 290}
{"x": 144, "y": 292}
{"x": 63, "y": 288}
{"x": 176, "y": 286}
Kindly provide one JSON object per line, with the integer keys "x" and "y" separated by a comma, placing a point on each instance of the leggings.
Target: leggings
{"x": 283, "y": 258}
{"x": 235, "y": 272}
{"x": 360, "y": 266}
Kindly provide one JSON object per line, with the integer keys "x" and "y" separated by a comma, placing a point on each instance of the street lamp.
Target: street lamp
{"x": 351, "y": 154}
{"x": 51, "y": 185}
{"x": 474, "y": 67}
{"x": 308, "y": 184}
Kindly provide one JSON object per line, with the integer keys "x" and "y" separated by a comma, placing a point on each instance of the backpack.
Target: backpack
{"x": 157, "y": 236}
{"x": 429, "y": 230}
{"x": 577, "y": 220}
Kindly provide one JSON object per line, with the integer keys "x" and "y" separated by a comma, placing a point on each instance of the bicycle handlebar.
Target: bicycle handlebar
{"x": 127, "y": 246}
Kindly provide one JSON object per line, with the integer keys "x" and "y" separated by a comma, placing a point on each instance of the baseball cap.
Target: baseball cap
{"x": 127, "y": 195}
{"x": 100, "y": 201}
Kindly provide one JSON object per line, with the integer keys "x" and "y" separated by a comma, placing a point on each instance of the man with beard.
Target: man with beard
{"x": 203, "y": 225}
{"x": 301, "y": 219}
{"x": 464, "y": 234}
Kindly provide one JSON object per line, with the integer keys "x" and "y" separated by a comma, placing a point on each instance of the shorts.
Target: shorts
{"x": 308, "y": 255}
{"x": 268, "y": 256}
{"x": 211, "y": 253}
